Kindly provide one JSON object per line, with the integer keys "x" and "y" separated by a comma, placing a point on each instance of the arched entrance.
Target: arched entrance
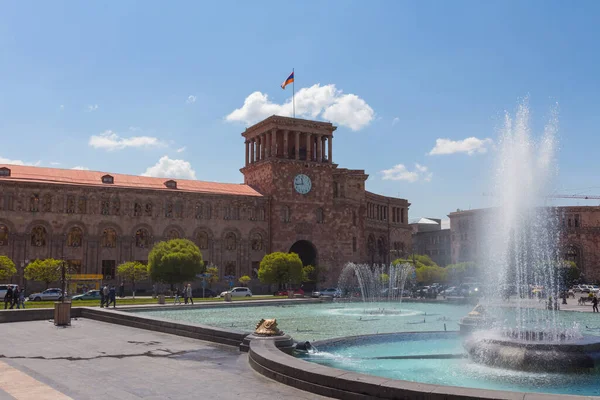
{"x": 306, "y": 251}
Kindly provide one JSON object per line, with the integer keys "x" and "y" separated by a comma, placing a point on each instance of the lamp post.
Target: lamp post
{"x": 62, "y": 309}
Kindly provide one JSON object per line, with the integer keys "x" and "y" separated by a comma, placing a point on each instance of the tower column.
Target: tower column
{"x": 319, "y": 148}
{"x": 262, "y": 146}
{"x": 274, "y": 142}
{"x": 247, "y": 152}
{"x": 297, "y": 145}
{"x": 267, "y": 147}
{"x": 252, "y": 150}
{"x": 330, "y": 146}
{"x": 323, "y": 148}
{"x": 285, "y": 145}
{"x": 308, "y": 152}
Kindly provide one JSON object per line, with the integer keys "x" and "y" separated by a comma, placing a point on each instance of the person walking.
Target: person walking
{"x": 112, "y": 297}
{"x": 594, "y": 304}
{"x": 188, "y": 293}
{"x": 15, "y": 298}
{"x": 106, "y": 292}
{"x": 102, "y": 299}
{"x": 21, "y": 299}
{"x": 8, "y": 297}
{"x": 177, "y": 297}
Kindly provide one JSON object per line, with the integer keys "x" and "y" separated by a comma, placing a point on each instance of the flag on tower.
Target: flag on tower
{"x": 289, "y": 80}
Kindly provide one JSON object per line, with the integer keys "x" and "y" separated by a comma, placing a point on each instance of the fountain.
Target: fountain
{"x": 375, "y": 283}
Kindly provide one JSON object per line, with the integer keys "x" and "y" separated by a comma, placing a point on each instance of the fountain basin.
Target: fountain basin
{"x": 533, "y": 351}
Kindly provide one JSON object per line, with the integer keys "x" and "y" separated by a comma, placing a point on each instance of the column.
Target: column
{"x": 274, "y": 142}
{"x": 319, "y": 148}
{"x": 329, "y": 144}
{"x": 297, "y": 145}
{"x": 285, "y": 145}
{"x": 252, "y": 151}
{"x": 308, "y": 152}
{"x": 247, "y": 152}
{"x": 323, "y": 149}
{"x": 268, "y": 147}
{"x": 262, "y": 147}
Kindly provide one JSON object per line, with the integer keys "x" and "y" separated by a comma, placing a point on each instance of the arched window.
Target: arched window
{"x": 116, "y": 206}
{"x": 109, "y": 238}
{"x": 137, "y": 209}
{"x": 230, "y": 241}
{"x": 34, "y": 203}
{"x": 38, "y": 236}
{"x": 261, "y": 214}
{"x": 257, "y": 242}
{"x": 285, "y": 214}
{"x": 75, "y": 237}
{"x": 371, "y": 248}
{"x": 381, "y": 247}
{"x": 142, "y": 239}
{"x": 173, "y": 234}
{"x": 105, "y": 206}
{"x": 202, "y": 240}
{"x": 47, "y": 203}
{"x": 169, "y": 210}
{"x": 148, "y": 209}
{"x": 230, "y": 268}
{"x": 81, "y": 205}
{"x": 320, "y": 216}
{"x": 3, "y": 235}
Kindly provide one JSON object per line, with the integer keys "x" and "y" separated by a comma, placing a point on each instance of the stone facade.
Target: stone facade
{"x": 430, "y": 239}
{"x": 96, "y": 221}
{"x": 579, "y": 238}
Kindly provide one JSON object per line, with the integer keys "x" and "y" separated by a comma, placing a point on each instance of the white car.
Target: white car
{"x": 333, "y": 292}
{"x": 4, "y": 288}
{"x": 46, "y": 295}
{"x": 237, "y": 292}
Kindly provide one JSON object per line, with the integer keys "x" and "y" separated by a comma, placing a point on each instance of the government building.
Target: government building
{"x": 294, "y": 198}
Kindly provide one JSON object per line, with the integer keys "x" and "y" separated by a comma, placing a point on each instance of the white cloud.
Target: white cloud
{"x": 91, "y": 108}
{"x": 18, "y": 162}
{"x": 109, "y": 140}
{"x": 169, "y": 168}
{"x": 181, "y": 149}
{"x": 470, "y": 146}
{"x": 400, "y": 173}
{"x": 326, "y": 102}
{"x": 80, "y": 168}
{"x": 395, "y": 121}
{"x": 191, "y": 99}
{"x": 54, "y": 163}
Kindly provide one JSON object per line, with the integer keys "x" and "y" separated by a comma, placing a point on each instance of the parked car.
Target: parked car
{"x": 46, "y": 295}
{"x": 333, "y": 292}
{"x": 238, "y": 292}
{"x": 285, "y": 292}
{"x": 208, "y": 293}
{"x": 4, "y": 288}
{"x": 91, "y": 295}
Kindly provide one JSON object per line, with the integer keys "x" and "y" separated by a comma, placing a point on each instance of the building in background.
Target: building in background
{"x": 579, "y": 236}
{"x": 430, "y": 239}
{"x": 294, "y": 198}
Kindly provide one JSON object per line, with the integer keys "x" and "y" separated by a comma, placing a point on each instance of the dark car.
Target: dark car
{"x": 208, "y": 293}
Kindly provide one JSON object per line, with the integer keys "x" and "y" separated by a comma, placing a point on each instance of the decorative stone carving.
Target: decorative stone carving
{"x": 267, "y": 327}
{"x": 38, "y": 236}
{"x": 142, "y": 238}
{"x": 257, "y": 242}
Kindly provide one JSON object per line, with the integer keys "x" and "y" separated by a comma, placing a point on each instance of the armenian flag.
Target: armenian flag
{"x": 289, "y": 80}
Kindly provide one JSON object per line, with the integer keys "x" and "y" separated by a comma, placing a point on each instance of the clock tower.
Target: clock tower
{"x": 316, "y": 209}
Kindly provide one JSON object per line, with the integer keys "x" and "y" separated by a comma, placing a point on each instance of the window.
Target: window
{"x": 142, "y": 238}
{"x": 230, "y": 241}
{"x": 257, "y": 242}
{"x": 70, "y": 204}
{"x": 402, "y": 215}
{"x": 202, "y": 240}
{"x": 47, "y": 203}
{"x": 148, "y": 209}
{"x": 4, "y": 171}
{"x": 576, "y": 220}
{"x": 336, "y": 189}
{"x": 116, "y": 206}
{"x": 82, "y": 205}
{"x": 179, "y": 209}
{"x": 137, "y": 209}
{"x": 320, "y": 216}
{"x": 354, "y": 244}
{"x": 8, "y": 201}
{"x": 105, "y": 207}
{"x": 285, "y": 214}
{"x": 169, "y": 210}
{"x": 171, "y": 184}
{"x": 173, "y": 234}
{"x": 108, "y": 269}
{"x": 108, "y": 179}
{"x": 34, "y": 203}
{"x": 109, "y": 238}
{"x": 38, "y": 236}
{"x": 198, "y": 212}
{"x": 75, "y": 237}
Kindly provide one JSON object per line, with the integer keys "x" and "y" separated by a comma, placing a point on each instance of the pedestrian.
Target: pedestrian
{"x": 177, "y": 298}
{"x": 102, "y": 299}
{"x": 21, "y": 298}
{"x": 15, "y": 298}
{"x": 594, "y": 304}
{"x": 122, "y": 290}
{"x": 106, "y": 293}
{"x": 188, "y": 293}
{"x": 112, "y": 297}
{"x": 8, "y": 297}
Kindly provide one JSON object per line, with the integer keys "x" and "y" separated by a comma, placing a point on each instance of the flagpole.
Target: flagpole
{"x": 294, "y": 93}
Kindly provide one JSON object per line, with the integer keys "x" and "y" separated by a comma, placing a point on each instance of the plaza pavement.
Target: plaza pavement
{"x": 96, "y": 360}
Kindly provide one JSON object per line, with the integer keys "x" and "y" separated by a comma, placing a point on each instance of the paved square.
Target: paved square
{"x": 92, "y": 360}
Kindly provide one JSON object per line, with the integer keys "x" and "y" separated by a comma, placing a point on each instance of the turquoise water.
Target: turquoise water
{"x": 315, "y": 322}
{"x": 453, "y": 372}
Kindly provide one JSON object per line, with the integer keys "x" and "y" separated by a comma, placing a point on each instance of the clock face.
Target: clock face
{"x": 302, "y": 184}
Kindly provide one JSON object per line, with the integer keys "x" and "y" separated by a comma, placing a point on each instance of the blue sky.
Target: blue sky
{"x": 147, "y": 87}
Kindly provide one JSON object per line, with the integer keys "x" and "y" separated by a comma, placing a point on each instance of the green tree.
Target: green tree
{"x": 430, "y": 274}
{"x": 7, "y": 268}
{"x": 280, "y": 268}
{"x": 244, "y": 280}
{"x": 570, "y": 273}
{"x": 309, "y": 274}
{"x": 384, "y": 278}
{"x": 213, "y": 270}
{"x": 132, "y": 271}
{"x": 458, "y": 272}
{"x": 175, "y": 261}
{"x": 47, "y": 271}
